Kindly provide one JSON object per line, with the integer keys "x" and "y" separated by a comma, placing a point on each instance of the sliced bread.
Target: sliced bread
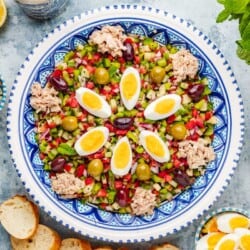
{"x": 19, "y": 217}
{"x": 75, "y": 244}
{"x": 165, "y": 246}
{"x": 44, "y": 239}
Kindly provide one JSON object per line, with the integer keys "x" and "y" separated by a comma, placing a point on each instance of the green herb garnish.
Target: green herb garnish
{"x": 239, "y": 10}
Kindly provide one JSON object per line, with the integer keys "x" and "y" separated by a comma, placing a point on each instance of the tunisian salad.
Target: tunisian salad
{"x": 124, "y": 122}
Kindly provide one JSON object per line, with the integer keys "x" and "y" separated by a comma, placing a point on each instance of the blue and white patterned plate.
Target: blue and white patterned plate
{"x": 170, "y": 216}
{"x": 3, "y": 93}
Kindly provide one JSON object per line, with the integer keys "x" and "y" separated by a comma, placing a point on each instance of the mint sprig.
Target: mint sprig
{"x": 238, "y": 10}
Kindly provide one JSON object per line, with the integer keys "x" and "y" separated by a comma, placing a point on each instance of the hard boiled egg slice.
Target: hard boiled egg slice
{"x": 163, "y": 107}
{"x": 121, "y": 160}
{"x": 130, "y": 87}
{"x": 93, "y": 103}
{"x": 92, "y": 141}
{"x": 244, "y": 238}
{"x": 209, "y": 241}
{"x": 228, "y": 242}
{"x": 227, "y": 222}
{"x": 154, "y": 146}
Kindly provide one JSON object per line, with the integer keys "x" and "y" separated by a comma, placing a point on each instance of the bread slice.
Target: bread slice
{"x": 165, "y": 246}
{"x": 75, "y": 244}
{"x": 19, "y": 217}
{"x": 44, "y": 239}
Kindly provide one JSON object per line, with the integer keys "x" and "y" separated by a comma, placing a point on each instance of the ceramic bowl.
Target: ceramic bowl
{"x": 42, "y": 9}
{"x": 170, "y": 216}
{"x": 3, "y": 91}
{"x": 215, "y": 213}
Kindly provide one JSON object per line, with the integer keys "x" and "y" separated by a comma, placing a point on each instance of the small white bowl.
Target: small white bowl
{"x": 3, "y": 92}
{"x": 215, "y": 213}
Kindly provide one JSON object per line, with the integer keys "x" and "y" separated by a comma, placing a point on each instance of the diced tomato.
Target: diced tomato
{"x": 195, "y": 113}
{"x": 142, "y": 70}
{"x": 82, "y": 116}
{"x": 89, "y": 180}
{"x": 171, "y": 119}
{"x": 121, "y": 60}
{"x": 98, "y": 155}
{"x": 154, "y": 191}
{"x": 79, "y": 170}
{"x": 118, "y": 184}
{"x": 176, "y": 163}
{"x": 72, "y": 102}
{"x": 90, "y": 69}
{"x": 190, "y": 124}
{"x": 208, "y": 115}
{"x": 109, "y": 126}
{"x": 42, "y": 155}
{"x": 70, "y": 70}
{"x": 194, "y": 137}
{"x": 128, "y": 40}
{"x": 199, "y": 122}
{"x": 127, "y": 177}
{"x": 67, "y": 167}
{"x": 51, "y": 124}
{"x": 96, "y": 57}
{"x": 102, "y": 193}
{"x": 121, "y": 132}
{"x": 57, "y": 73}
{"x": 90, "y": 85}
{"x": 137, "y": 59}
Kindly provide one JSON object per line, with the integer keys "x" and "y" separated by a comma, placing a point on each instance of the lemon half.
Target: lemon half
{"x": 3, "y": 12}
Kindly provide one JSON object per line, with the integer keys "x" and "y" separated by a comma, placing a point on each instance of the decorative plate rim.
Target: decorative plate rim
{"x": 4, "y": 93}
{"x": 149, "y": 13}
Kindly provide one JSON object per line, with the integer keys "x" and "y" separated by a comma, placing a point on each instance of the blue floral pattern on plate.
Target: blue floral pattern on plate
{"x": 186, "y": 203}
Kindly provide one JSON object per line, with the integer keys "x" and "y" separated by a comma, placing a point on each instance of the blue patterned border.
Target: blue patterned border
{"x": 4, "y": 93}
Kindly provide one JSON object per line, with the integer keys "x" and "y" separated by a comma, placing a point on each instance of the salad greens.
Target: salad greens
{"x": 239, "y": 10}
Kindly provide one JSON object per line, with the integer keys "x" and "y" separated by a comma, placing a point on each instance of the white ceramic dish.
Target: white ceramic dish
{"x": 184, "y": 208}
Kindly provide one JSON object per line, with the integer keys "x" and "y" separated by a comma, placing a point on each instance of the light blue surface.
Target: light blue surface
{"x": 20, "y": 34}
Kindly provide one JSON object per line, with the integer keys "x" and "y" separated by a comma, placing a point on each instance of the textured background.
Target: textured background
{"x": 20, "y": 34}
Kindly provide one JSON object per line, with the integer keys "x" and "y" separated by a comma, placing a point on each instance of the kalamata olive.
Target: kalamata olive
{"x": 195, "y": 91}
{"x": 58, "y": 83}
{"x": 183, "y": 179}
{"x": 123, "y": 122}
{"x": 122, "y": 197}
{"x": 129, "y": 53}
{"x": 57, "y": 164}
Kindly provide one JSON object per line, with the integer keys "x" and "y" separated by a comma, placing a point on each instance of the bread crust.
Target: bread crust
{"x": 38, "y": 237}
{"x": 5, "y": 217}
{"x": 164, "y": 246}
{"x": 83, "y": 244}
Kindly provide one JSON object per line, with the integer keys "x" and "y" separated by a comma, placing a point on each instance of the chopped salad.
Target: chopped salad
{"x": 124, "y": 122}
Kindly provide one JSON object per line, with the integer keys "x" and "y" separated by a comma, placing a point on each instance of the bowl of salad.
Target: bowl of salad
{"x": 127, "y": 123}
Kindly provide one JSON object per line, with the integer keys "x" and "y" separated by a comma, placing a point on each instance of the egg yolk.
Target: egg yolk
{"x": 214, "y": 239}
{"x": 92, "y": 101}
{"x": 245, "y": 242}
{"x": 164, "y": 106}
{"x": 227, "y": 245}
{"x": 129, "y": 86}
{"x": 92, "y": 141}
{"x": 154, "y": 146}
{"x": 122, "y": 155}
{"x": 239, "y": 221}
{"x": 211, "y": 226}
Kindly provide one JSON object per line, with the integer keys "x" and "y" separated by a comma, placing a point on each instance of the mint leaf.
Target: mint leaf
{"x": 65, "y": 149}
{"x": 246, "y": 33}
{"x": 221, "y": 1}
{"x": 236, "y": 6}
{"x": 243, "y": 54}
{"x": 244, "y": 21}
{"x": 244, "y": 44}
{"x": 223, "y": 15}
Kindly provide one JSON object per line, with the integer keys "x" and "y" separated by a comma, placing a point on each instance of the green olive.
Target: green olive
{"x": 101, "y": 75}
{"x": 95, "y": 167}
{"x": 157, "y": 74}
{"x": 178, "y": 131}
{"x": 143, "y": 172}
{"x": 69, "y": 123}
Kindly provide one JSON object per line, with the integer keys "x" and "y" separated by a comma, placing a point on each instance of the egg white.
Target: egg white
{"x": 142, "y": 140}
{"x": 230, "y": 236}
{"x": 103, "y": 112}
{"x": 151, "y": 114}
{"x": 241, "y": 232}
{"x": 125, "y": 170}
{"x": 81, "y": 151}
{"x": 129, "y": 104}
{"x": 224, "y": 219}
